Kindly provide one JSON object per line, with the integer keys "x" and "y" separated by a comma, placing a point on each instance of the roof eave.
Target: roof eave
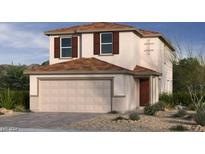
{"x": 88, "y": 31}
{"x": 76, "y": 72}
{"x": 163, "y": 38}
{"x": 140, "y": 74}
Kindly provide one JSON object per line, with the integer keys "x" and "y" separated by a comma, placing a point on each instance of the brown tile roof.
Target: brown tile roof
{"x": 142, "y": 70}
{"x": 78, "y": 65}
{"x": 148, "y": 32}
{"x": 92, "y": 26}
{"x": 88, "y": 65}
{"x": 106, "y": 26}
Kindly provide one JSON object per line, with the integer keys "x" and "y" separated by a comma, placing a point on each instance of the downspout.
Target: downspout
{"x": 80, "y": 46}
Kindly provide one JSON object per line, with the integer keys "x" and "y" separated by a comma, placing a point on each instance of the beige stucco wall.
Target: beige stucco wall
{"x": 166, "y": 66}
{"x": 128, "y": 48}
{"x": 132, "y": 53}
{"x": 125, "y": 90}
{"x": 154, "y": 89}
{"x": 53, "y": 60}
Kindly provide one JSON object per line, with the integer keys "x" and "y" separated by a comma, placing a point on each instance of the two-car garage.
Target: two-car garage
{"x": 75, "y": 95}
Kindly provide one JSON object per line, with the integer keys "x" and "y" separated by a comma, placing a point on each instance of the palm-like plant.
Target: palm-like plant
{"x": 7, "y": 99}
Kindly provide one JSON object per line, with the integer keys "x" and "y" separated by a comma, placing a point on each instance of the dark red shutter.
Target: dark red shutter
{"x": 96, "y": 43}
{"x": 57, "y": 47}
{"x": 115, "y": 42}
{"x": 74, "y": 46}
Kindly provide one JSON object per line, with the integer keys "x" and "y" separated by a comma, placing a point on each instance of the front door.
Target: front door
{"x": 144, "y": 92}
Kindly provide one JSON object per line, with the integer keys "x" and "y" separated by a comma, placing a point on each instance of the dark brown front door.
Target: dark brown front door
{"x": 144, "y": 92}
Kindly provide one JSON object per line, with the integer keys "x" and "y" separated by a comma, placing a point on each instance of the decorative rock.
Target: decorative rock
{"x": 180, "y": 107}
{"x": 159, "y": 114}
{"x": 5, "y": 111}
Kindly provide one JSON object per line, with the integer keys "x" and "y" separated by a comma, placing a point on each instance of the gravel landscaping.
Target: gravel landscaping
{"x": 163, "y": 121}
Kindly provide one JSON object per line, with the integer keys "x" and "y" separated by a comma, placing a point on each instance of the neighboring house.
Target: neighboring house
{"x": 101, "y": 67}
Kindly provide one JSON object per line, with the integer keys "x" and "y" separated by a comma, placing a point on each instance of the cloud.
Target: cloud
{"x": 13, "y": 37}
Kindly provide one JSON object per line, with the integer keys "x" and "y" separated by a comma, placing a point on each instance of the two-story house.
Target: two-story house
{"x": 101, "y": 67}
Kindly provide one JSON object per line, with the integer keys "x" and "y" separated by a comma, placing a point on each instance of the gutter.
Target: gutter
{"x": 135, "y": 74}
{"x": 77, "y": 72}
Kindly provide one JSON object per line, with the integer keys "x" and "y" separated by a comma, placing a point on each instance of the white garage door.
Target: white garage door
{"x": 75, "y": 96}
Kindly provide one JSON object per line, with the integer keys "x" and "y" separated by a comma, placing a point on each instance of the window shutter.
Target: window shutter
{"x": 115, "y": 42}
{"x": 57, "y": 47}
{"x": 74, "y": 46}
{"x": 96, "y": 43}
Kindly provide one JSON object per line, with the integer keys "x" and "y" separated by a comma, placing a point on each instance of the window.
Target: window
{"x": 66, "y": 47}
{"x": 106, "y": 43}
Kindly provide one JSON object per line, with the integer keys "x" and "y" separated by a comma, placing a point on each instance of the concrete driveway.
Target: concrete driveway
{"x": 42, "y": 122}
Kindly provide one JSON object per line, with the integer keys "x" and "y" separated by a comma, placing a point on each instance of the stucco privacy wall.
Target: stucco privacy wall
{"x": 124, "y": 98}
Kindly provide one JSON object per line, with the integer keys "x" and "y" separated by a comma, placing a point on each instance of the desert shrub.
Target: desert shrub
{"x": 22, "y": 99}
{"x": 10, "y": 99}
{"x": 167, "y": 99}
{"x": 134, "y": 116}
{"x": 152, "y": 109}
{"x": 200, "y": 117}
{"x": 177, "y": 98}
{"x": 160, "y": 106}
{"x": 182, "y": 98}
{"x": 7, "y": 99}
{"x": 180, "y": 113}
{"x": 179, "y": 128}
{"x": 19, "y": 108}
{"x": 113, "y": 112}
{"x": 149, "y": 110}
{"x": 119, "y": 118}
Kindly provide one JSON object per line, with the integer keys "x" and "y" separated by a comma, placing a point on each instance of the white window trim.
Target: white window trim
{"x": 64, "y": 47}
{"x": 105, "y": 43}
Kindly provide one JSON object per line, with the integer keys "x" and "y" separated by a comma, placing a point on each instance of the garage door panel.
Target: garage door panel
{"x": 75, "y": 95}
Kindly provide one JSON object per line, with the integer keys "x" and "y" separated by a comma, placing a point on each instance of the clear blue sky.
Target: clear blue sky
{"x": 25, "y": 43}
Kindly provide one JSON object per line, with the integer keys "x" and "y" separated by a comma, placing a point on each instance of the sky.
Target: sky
{"x": 25, "y": 43}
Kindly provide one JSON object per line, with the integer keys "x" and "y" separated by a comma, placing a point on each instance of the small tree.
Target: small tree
{"x": 197, "y": 95}
{"x": 14, "y": 78}
{"x": 189, "y": 72}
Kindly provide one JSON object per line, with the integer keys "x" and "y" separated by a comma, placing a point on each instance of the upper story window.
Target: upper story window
{"x": 66, "y": 47}
{"x": 106, "y": 43}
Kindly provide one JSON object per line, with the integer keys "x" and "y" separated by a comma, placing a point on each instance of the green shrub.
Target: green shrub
{"x": 180, "y": 113}
{"x": 113, "y": 112}
{"x": 22, "y": 99}
{"x": 11, "y": 99}
{"x": 167, "y": 99}
{"x": 152, "y": 109}
{"x": 134, "y": 116}
{"x": 149, "y": 110}
{"x": 182, "y": 98}
{"x": 200, "y": 117}
{"x": 178, "y": 128}
{"x": 119, "y": 118}
{"x": 159, "y": 106}
{"x": 19, "y": 108}
{"x": 7, "y": 99}
{"x": 177, "y": 98}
